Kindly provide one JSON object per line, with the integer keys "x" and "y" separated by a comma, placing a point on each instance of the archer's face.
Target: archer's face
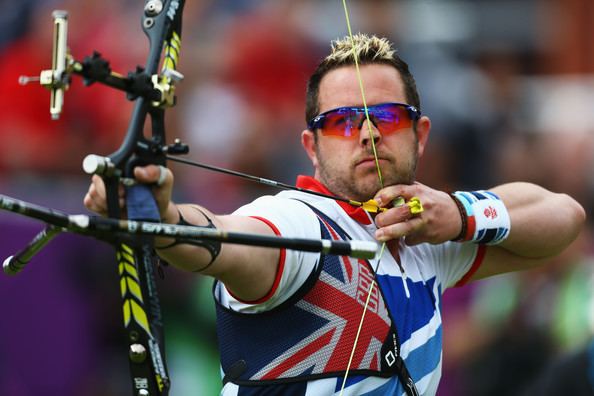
{"x": 346, "y": 165}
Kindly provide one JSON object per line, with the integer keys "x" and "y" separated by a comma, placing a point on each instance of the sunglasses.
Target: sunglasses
{"x": 347, "y": 121}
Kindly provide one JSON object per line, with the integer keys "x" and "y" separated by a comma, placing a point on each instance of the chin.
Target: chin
{"x": 391, "y": 180}
{"x": 365, "y": 193}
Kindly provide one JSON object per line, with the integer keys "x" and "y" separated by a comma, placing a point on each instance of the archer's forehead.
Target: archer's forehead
{"x": 340, "y": 87}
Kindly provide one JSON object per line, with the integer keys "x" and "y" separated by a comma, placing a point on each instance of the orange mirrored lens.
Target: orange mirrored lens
{"x": 347, "y": 122}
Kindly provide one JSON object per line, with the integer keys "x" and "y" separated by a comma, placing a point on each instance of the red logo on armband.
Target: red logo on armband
{"x": 490, "y": 212}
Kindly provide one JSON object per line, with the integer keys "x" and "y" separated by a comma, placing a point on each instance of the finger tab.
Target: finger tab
{"x": 415, "y": 205}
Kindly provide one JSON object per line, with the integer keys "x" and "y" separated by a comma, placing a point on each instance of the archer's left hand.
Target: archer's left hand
{"x": 161, "y": 180}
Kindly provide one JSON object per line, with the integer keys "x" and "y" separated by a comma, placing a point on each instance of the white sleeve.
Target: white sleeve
{"x": 288, "y": 218}
{"x": 454, "y": 261}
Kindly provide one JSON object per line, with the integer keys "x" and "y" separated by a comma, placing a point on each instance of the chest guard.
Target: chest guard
{"x": 311, "y": 335}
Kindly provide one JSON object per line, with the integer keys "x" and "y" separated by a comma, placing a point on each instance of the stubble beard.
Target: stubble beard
{"x": 343, "y": 183}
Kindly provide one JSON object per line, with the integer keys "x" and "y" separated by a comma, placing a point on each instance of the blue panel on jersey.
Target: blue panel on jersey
{"x": 425, "y": 358}
{"x": 411, "y": 313}
{"x": 392, "y": 387}
{"x": 420, "y": 362}
{"x": 352, "y": 379}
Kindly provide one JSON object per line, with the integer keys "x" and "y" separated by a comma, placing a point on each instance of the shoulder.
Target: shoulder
{"x": 282, "y": 203}
{"x": 282, "y": 212}
{"x": 291, "y": 207}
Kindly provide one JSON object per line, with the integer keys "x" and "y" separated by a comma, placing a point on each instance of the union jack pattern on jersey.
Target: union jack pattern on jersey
{"x": 315, "y": 330}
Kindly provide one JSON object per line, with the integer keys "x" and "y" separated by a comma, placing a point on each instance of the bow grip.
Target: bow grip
{"x": 140, "y": 200}
{"x": 141, "y": 203}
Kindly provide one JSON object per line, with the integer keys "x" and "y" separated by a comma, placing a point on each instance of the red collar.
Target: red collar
{"x": 356, "y": 213}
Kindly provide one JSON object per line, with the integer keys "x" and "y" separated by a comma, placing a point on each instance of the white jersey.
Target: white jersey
{"x": 412, "y": 289}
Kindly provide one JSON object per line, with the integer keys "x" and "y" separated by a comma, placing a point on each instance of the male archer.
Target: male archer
{"x": 288, "y": 320}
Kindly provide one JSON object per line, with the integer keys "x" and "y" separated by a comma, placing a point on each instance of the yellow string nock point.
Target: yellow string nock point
{"x": 371, "y": 206}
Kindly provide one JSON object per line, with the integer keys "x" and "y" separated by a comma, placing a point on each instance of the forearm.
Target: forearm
{"x": 543, "y": 223}
{"x": 247, "y": 271}
{"x": 186, "y": 256}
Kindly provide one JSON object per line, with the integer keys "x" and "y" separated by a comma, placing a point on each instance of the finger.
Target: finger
{"x": 147, "y": 174}
{"x": 156, "y": 174}
{"x": 413, "y": 239}
{"x": 121, "y": 191}
{"x": 121, "y": 197}
{"x": 393, "y": 216}
{"x": 399, "y": 230}
{"x": 162, "y": 175}
{"x": 95, "y": 199}
{"x": 99, "y": 186}
{"x": 94, "y": 204}
{"x": 388, "y": 195}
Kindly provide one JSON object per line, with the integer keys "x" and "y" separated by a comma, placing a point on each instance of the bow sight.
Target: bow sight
{"x": 159, "y": 89}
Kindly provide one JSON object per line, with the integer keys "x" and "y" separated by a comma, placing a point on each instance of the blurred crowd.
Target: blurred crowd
{"x": 509, "y": 86}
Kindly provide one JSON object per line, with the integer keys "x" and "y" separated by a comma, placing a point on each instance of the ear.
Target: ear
{"x": 423, "y": 129}
{"x": 309, "y": 144}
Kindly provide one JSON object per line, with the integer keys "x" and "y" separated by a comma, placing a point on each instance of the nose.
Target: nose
{"x": 368, "y": 131}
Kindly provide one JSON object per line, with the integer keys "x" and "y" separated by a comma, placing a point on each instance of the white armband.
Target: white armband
{"x": 485, "y": 219}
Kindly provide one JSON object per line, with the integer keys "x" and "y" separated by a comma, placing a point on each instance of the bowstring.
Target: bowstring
{"x": 362, "y": 90}
{"x": 381, "y": 182}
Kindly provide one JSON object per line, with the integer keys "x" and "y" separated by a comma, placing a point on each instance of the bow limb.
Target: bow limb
{"x": 143, "y": 323}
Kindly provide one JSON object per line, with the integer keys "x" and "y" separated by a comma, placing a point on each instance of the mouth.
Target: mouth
{"x": 369, "y": 160}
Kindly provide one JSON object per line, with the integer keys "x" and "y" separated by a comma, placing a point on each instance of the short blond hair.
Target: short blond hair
{"x": 362, "y": 46}
{"x": 368, "y": 49}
